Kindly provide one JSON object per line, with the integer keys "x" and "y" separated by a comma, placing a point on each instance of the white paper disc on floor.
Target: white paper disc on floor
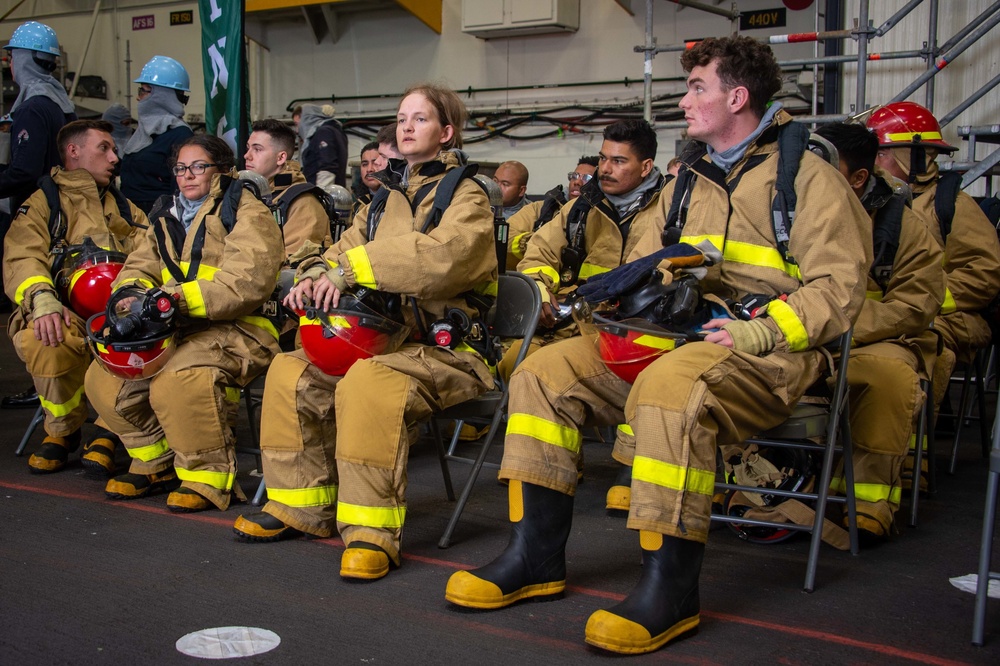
{"x": 228, "y": 642}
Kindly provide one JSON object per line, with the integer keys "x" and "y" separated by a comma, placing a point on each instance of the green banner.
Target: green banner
{"x": 227, "y": 101}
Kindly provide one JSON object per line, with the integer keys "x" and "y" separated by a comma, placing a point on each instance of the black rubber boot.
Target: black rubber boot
{"x": 534, "y": 563}
{"x": 664, "y": 604}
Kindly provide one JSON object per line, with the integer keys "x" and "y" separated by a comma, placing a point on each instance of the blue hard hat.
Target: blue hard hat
{"x": 166, "y": 72}
{"x": 35, "y": 36}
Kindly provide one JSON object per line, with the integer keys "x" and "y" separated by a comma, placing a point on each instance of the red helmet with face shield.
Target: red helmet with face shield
{"x": 364, "y": 324}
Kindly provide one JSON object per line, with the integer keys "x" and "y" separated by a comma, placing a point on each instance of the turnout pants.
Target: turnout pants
{"x": 345, "y": 439}
{"x": 58, "y": 374}
{"x": 963, "y": 334}
{"x": 885, "y": 399}
{"x": 680, "y": 408}
{"x": 184, "y": 416}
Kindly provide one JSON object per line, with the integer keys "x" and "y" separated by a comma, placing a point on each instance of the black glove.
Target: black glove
{"x": 625, "y": 278}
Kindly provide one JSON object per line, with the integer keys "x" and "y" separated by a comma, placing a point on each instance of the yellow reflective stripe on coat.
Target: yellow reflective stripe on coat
{"x": 320, "y": 496}
{"x": 232, "y": 394}
{"x": 874, "y": 296}
{"x": 386, "y": 517}
{"x": 515, "y": 243}
{"x": 626, "y": 429}
{"x": 674, "y": 477}
{"x": 150, "y": 451}
{"x": 361, "y": 266}
{"x": 913, "y": 443}
{"x": 868, "y": 492}
{"x": 547, "y": 271}
{"x": 717, "y": 240}
{"x": 490, "y": 288}
{"x": 759, "y": 255}
{"x": 590, "y": 270}
{"x": 949, "y": 305}
{"x": 893, "y": 137}
{"x": 790, "y": 324}
{"x": 545, "y": 431}
{"x": 30, "y": 282}
{"x": 194, "y": 299}
{"x": 261, "y": 322}
{"x": 218, "y": 480}
{"x": 62, "y": 409}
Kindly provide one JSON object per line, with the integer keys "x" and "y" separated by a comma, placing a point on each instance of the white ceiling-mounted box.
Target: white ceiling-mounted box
{"x": 489, "y": 19}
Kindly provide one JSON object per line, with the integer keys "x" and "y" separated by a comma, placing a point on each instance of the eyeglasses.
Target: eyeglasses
{"x": 196, "y": 169}
{"x": 585, "y": 177}
{"x": 144, "y": 91}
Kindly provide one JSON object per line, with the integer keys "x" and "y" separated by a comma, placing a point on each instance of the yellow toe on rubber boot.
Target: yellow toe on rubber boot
{"x": 185, "y": 500}
{"x": 663, "y": 605}
{"x": 619, "y": 498}
{"x": 53, "y": 454}
{"x": 534, "y": 563}
{"x": 99, "y": 456}
{"x": 364, "y": 563}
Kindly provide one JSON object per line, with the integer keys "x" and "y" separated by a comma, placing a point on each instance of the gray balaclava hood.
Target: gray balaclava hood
{"x": 158, "y": 113}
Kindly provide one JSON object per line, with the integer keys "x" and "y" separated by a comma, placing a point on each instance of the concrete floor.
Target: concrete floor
{"x": 85, "y": 580}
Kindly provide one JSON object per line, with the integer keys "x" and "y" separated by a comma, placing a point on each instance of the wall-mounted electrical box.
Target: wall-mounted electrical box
{"x": 489, "y": 19}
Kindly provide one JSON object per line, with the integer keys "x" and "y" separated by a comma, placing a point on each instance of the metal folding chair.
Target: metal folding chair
{"x": 518, "y": 306}
{"x": 808, "y": 422}
{"x": 974, "y": 379}
{"x": 36, "y": 420}
{"x": 925, "y": 428}
{"x": 986, "y": 543}
{"x": 253, "y": 398}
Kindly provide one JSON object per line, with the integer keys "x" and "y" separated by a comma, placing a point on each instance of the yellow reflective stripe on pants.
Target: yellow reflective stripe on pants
{"x": 219, "y": 480}
{"x": 913, "y": 443}
{"x": 301, "y": 497}
{"x": 37, "y": 279}
{"x": 364, "y": 275}
{"x": 545, "y": 431}
{"x": 626, "y": 429}
{"x": 62, "y": 409}
{"x": 232, "y": 394}
{"x": 949, "y": 304}
{"x": 150, "y": 452}
{"x": 874, "y": 296}
{"x": 868, "y": 492}
{"x": 385, "y": 517}
{"x": 674, "y": 477}
{"x": 790, "y": 325}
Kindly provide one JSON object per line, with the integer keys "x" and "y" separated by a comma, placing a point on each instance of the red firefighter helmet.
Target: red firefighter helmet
{"x": 132, "y": 359}
{"x": 87, "y": 275}
{"x": 628, "y": 347}
{"x": 356, "y": 329}
{"x": 900, "y": 124}
{"x": 135, "y": 337}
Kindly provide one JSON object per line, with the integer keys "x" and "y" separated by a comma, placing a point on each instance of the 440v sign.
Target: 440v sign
{"x": 763, "y": 19}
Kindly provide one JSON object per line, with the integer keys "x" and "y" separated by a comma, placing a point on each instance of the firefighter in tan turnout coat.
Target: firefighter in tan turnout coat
{"x": 746, "y": 376}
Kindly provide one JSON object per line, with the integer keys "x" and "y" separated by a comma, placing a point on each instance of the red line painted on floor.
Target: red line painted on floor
{"x": 801, "y": 632}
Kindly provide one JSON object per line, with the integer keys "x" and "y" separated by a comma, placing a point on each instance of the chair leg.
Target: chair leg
{"x": 445, "y": 540}
{"x": 38, "y": 418}
{"x": 258, "y": 497}
{"x": 442, "y": 457}
{"x": 963, "y": 405}
{"x": 923, "y": 429}
{"x": 986, "y": 541}
{"x": 984, "y": 431}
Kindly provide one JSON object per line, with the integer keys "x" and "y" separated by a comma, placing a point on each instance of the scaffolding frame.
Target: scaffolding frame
{"x": 936, "y": 56}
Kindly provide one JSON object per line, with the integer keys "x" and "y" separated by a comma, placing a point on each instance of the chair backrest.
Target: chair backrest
{"x": 518, "y": 306}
